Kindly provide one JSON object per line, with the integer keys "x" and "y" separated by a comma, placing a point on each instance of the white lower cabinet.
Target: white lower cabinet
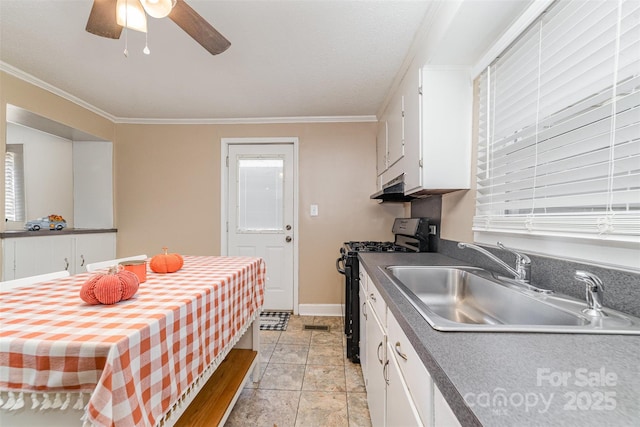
{"x": 416, "y": 377}
{"x": 376, "y": 358}
{"x": 30, "y": 256}
{"x": 364, "y": 314}
{"x": 400, "y": 391}
{"x": 401, "y": 410}
{"x": 443, "y": 414}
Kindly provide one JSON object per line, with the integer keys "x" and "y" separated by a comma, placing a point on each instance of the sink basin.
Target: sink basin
{"x": 473, "y": 299}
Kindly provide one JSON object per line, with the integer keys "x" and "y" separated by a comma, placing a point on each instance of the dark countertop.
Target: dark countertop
{"x": 43, "y": 233}
{"x": 519, "y": 379}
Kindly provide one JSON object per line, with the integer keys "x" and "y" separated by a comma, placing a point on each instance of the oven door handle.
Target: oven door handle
{"x": 340, "y": 270}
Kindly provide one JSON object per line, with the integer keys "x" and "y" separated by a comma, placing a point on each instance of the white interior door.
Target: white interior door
{"x": 261, "y": 214}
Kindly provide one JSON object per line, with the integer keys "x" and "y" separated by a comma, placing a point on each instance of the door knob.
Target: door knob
{"x": 288, "y": 239}
{"x": 288, "y": 227}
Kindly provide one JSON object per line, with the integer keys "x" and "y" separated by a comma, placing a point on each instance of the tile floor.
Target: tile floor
{"x": 305, "y": 380}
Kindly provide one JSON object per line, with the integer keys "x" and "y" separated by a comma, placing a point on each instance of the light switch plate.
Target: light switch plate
{"x": 314, "y": 210}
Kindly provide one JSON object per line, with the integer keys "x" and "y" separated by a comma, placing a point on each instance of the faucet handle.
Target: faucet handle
{"x": 520, "y": 257}
{"x": 592, "y": 281}
{"x": 595, "y": 292}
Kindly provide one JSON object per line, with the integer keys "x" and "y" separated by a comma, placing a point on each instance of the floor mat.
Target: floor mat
{"x": 274, "y": 320}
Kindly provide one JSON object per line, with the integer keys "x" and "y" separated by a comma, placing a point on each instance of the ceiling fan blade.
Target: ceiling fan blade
{"x": 199, "y": 29}
{"x": 102, "y": 19}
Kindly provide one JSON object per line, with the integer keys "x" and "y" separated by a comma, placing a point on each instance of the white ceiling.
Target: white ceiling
{"x": 295, "y": 58}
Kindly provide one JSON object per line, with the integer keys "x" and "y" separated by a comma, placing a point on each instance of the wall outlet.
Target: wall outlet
{"x": 314, "y": 210}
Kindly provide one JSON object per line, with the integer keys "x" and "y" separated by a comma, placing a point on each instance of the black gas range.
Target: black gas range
{"x": 411, "y": 235}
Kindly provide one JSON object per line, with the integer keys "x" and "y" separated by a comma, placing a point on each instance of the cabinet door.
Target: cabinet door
{"x": 93, "y": 248}
{"x": 447, "y": 101}
{"x": 8, "y": 259}
{"x": 395, "y": 131}
{"x": 41, "y": 255}
{"x": 363, "y": 328}
{"x": 412, "y": 130}
{"x": 443, "y": 414}
{"x": 381, "y": 147}
{"x": 401, "y": 410}
{"x": 376, "y": 358}
{"x": 415, "y": 375}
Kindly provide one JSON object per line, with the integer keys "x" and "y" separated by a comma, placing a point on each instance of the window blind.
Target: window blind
{"x": 559, "y": 126}
{"x": 14, "y": 183}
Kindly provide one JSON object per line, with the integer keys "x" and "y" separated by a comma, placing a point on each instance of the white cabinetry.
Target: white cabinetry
{"x": 390, "y": 139}
{"x": 364, "y": 314}
{"x": 415, "y": 376}
{"x": 437, "y": 108}
{"x": 400, "y": 391}
{"x": 444, "y": 150}
{"x": 381, "y": 147}
{"x": 412, "y": 132}
{"x": 376, "y": 359}
{"x": 443, "y": 415}
{"x": 401, "y": 411}
{"x": 30, "y": 256}
{"x": 396, "y": 129}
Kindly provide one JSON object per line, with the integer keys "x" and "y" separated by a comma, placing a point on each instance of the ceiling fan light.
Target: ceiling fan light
{"x": 130, "y": 14}
{"x": 158, "y": 8}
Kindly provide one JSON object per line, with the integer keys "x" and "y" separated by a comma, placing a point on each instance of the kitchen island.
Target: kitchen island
{"x": 518, "y": 379}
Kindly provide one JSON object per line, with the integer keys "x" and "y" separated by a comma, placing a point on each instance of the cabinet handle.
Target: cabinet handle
{"x": 378, "y": 352}
{"x": 385, "y": 372}
{"x": 364, "y": 310}
{"x": 373, "y": 298}
{"x": 82, "y": 262}
{"x": 401, "y": 354}
{"x": 66, "y": 262}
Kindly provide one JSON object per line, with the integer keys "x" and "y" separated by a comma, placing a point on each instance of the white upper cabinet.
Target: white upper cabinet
{"x": 381, "y": 146}
{"x": 412, "y": 129}
{"x": 435, "y": 131}
{"x": 390, "y": 139}
{"x": 395, "y": 131}
{"x": 438, "y": 156}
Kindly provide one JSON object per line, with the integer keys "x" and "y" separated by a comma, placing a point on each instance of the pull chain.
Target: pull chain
{"x": 126, "y": 32}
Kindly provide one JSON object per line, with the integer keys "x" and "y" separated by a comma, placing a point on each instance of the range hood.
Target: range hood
{"x": 393, "y": 191}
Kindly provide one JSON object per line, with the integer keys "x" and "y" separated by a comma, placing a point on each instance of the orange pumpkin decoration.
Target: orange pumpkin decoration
{"x": 166, "y": 262}
{"x": 110, "y": 288}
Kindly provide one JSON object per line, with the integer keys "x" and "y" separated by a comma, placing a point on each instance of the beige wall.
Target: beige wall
{"x": 168, "y": 193}
{"x": 167, "y": 184}
{"x": 25, "y": 95}
{"x": 459, "y": 207}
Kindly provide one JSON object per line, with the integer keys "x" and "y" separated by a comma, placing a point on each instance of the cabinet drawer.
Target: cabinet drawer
{"x": 413, "y": 370}
{"x": 364, "y": 279}
{"x": 378, "y": 304}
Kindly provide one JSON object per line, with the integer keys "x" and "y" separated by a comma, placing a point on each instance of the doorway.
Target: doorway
{"x": 259, "y": 211}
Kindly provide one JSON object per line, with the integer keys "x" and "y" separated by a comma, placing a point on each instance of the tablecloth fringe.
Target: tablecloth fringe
{"x": 178, "y": 408}
{"x": 62, "y": 401}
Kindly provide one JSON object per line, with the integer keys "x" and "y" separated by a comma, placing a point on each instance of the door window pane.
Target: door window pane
{"x": 260, "y": 194}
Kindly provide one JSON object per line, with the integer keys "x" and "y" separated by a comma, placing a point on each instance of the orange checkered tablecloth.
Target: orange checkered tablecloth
{"x": 137, "y": 357}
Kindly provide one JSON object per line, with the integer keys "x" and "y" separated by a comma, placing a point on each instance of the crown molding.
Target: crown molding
{"x": 15, "y": 72}
{"x": 252, "y": 120}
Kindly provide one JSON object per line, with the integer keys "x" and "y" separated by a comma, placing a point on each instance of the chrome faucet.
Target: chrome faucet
{"x": 523, "y": 263}
{"x": 595, "y": 292}
{"x": 522, "y": 271}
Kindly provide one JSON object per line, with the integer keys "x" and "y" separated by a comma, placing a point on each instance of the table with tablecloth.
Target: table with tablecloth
{"x": 132, "y": 360}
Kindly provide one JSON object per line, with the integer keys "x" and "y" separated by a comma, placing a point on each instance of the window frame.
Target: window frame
{"x": 603, "y": 250}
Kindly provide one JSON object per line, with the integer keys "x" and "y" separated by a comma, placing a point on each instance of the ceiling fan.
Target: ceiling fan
{"x": 103, "y": 20}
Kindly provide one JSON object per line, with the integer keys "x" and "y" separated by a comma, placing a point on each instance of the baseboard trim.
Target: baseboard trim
{"x": 320, "y": 309}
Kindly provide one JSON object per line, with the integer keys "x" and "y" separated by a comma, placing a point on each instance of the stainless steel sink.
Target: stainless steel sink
{"x": 473, "y": 299}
